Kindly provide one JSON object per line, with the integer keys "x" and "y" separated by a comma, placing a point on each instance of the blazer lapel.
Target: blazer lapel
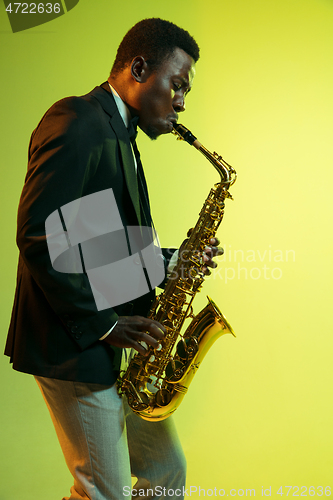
{"x": 105, "y": 98}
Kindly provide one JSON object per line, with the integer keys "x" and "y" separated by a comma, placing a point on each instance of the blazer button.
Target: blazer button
{"x": 78, "y": 335}
{"x": 74, "y": 329}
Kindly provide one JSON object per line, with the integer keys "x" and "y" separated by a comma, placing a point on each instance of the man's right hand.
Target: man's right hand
{"x": 130, "y": 330}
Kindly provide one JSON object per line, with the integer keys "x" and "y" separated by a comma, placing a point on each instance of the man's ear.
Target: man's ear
{"x": 139, "y": 69}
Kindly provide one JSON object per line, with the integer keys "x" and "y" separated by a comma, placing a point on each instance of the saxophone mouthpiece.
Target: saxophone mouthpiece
{"x": 185, "y": 134}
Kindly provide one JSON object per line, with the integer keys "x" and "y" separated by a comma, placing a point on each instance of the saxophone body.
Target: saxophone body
{"x": 156, "y": 383}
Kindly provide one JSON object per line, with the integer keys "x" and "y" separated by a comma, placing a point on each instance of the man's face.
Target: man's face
{"x": 162, "y": 95}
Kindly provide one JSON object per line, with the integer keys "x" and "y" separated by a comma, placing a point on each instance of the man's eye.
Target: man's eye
{"x": 177, "y": 86}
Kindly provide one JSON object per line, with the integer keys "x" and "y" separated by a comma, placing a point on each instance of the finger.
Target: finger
{"x": 213, "y": 251}
{"x": 206, "y": 271}
{"x": 208, "y": 260}
{"x": 139, "y": 341}
{"x": 216, "y": 250}
{"x": 214, "y": 241}
{"x": 153, "y": 327}
{"x": 144, "y": 341}
{"x": 211, "y": 263}
{"x": 140, "y": 348}
{"x": 157, "y": 330}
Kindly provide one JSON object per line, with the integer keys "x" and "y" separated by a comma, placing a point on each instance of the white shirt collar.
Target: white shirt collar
{"x": 122, "y": 108}
{"x": 125, "y": 114}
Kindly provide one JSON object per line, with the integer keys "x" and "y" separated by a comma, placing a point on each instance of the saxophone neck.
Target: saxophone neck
{"x": 227, "y": 172}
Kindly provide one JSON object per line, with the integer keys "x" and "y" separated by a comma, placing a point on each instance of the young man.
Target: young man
{"x": 83, "y": 154}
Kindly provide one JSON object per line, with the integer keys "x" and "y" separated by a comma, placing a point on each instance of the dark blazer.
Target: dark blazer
{"x": 81, "y": 146}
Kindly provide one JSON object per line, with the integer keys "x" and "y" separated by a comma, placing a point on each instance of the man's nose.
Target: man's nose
{"x": 179, "y": 103}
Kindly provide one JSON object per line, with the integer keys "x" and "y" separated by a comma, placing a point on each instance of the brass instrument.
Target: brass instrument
{"x": 156, "y": 383}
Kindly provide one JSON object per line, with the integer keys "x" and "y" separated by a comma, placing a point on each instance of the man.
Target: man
{"x": 83, "y": 148}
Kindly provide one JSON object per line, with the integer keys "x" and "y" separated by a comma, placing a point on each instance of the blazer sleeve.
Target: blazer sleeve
{"x": 64, "y": 153}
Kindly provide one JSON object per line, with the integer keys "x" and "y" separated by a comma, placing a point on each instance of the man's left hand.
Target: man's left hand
{"x": 209, "y": 253}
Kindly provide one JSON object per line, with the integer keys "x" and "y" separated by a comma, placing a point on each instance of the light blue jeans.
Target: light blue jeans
{"x": 104, "y": 443}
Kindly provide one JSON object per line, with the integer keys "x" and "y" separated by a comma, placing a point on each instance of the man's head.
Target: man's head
{"x": 153, "y": 71}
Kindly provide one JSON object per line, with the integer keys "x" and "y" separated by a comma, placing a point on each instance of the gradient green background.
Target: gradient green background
{"x": 259, "y": 412}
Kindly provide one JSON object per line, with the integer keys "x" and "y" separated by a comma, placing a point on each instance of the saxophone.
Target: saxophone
{"x": 156, "y": 383}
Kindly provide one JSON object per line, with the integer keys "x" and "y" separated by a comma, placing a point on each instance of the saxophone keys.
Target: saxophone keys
{"x": 181, "y": 298}
{"x": 174, "y": 371}
{"x": 187, "y": 348}
{"x": 139, "y": 404}
{"x": 163, "y": 397}
{"x": 181, "y": 348}
{"x": 190, "y": 313}
{"x": 151, "y": 369}
{"x": 172, "y": 314}
{"x": 193, "y": 272}
{"x": 192, "y": 347}
{"x": 168, "y": 324}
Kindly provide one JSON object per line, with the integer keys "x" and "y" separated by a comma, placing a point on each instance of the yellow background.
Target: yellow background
{"x": 259, "y": 412}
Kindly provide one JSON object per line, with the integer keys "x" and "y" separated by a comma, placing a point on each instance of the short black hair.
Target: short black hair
{"x": 155, "y": 40}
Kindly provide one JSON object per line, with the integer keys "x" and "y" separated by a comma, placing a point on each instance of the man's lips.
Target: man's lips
{"x": 170, "y": 125}
{"x": 173, "y": 118}
{"x": 172, "y": 122}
